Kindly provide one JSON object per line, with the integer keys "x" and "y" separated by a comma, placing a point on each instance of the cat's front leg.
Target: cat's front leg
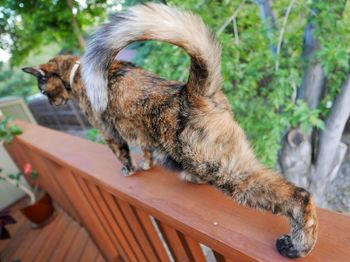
{"x": 121, "y": 149}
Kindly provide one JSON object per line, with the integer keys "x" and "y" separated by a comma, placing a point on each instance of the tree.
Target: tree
{"x": 326, "y": 56}
{"x": 28, "y": 25}
{"x": 286, "y": 73}
{"x": 14, "y": 83}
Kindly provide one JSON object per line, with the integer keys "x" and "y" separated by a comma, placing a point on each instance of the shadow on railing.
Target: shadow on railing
{"x": 153, "y": 216}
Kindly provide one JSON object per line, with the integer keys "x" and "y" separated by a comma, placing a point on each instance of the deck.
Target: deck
{"x": 62, "y": 239}
{"x": 151, "y": 216}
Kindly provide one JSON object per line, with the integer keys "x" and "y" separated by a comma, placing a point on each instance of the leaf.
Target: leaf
{"x": 8, "y": 139}
{"x": 320, "y": 124}
{"x": 34, "y": 175}
{"x": 12, "y": 176}
{"x": 15, "y": 130}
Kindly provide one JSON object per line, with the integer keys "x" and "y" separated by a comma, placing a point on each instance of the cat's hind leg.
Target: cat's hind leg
{"x": 265, "y": 190}
{"x": 148, "y": 161}
{"x": 187, "y": 177}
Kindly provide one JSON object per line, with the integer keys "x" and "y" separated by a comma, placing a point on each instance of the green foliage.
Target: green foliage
{"x": 333, "y": 32}
{"x": 95, "y": 136}
{"x": 27, "y": 25}
{"x": 261, "y": 97}
{"x": 14, "y": 83}
{"x": 8, "y": 130}
{"x": 300, "y": 115}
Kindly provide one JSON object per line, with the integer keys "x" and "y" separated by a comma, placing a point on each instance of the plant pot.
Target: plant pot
{"x": 40, "y": 212}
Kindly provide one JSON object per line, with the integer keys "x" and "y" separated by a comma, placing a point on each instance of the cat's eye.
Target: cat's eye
{"x": 43, "y": 80}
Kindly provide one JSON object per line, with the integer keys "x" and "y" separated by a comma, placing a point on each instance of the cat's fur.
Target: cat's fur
{"x": 189, "y": 122}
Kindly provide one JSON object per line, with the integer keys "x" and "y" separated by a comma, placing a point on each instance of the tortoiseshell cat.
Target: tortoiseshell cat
{"x": 189, "y": 122}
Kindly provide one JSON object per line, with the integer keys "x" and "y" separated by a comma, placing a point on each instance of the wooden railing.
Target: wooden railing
{"x": 153, "y": 216}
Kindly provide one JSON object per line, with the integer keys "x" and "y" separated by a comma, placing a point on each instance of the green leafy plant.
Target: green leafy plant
{"x": 17, "y": 180}
{"x": 8, "y": 130}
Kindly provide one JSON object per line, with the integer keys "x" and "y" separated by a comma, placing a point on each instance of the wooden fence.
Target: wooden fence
{"x": 153, "y": 216}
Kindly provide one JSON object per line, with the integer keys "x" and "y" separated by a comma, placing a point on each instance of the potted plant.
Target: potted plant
{"x": 38, "y": 208}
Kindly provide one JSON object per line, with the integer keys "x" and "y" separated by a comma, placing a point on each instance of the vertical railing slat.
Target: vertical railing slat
{"x": 17, "y": 155}
{"x": 117, "y": 228}
{"x": 220, "y": 258}
{"x": 192, "y": 247}
{"x": 86, "y": 212}
{"x": 174, "y": 243}
{"x": 153, "y": 235}
{"x": 47, "y": 180}
{"x": 99, "y": 205}
{"x": 138, "y": 231}
{"x": 124, "y": 225}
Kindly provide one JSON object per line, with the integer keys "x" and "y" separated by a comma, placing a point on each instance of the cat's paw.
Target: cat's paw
{"x": 127, "y": 172}
{"x": 286, "y": 248}
{"x": 144, "y": 165}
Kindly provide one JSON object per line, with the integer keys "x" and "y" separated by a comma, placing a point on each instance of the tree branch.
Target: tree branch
{"x": 268, "y": 14}
{"x": 235, "y": 30}
{"x": 75, "y": 26}
{"x": 312, "y": 86}
{"x": 330, "y": 138}
{"x": 231, "y": 18}
{"x": 280, "y": 39}
{"x": 20, "y": 186}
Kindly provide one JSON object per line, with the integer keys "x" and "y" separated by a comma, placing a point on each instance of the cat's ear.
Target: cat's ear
{"x": 34, "y": 71}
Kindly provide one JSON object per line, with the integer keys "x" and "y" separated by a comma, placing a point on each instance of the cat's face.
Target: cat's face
{"x": 52, "y": 79}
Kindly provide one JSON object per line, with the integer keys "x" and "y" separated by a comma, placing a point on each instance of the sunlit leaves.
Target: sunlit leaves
{"x": 263, "y": 99}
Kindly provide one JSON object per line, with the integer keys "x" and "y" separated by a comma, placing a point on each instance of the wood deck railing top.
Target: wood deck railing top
{"x": 198, "y": 211}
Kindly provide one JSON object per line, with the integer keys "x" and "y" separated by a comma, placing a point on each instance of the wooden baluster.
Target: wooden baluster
{"x": 192, "y": 247}
{"x": 114, "y": 224}
{"x": 100, "y": 207}
{"x": 152, "y": 234}
{"x": 138, "y": 231}
{"x": 176, "y": 247}
{"x": 48, "y": 181}
{"x": 221, "y": 258}
{"x": 15, "y": 151}
{"x": 53, "y": 175}
{"x": 124, "y": 226}
{"x": 86, "y": 212}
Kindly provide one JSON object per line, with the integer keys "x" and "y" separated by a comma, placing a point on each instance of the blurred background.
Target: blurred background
{"x": 285, "y": 65}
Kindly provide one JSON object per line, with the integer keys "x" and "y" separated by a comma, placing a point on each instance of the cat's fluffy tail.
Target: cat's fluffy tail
{"x": 152, "y": 22}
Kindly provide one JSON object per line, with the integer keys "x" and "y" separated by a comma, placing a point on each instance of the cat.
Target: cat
{"x": 191, "y": 123}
